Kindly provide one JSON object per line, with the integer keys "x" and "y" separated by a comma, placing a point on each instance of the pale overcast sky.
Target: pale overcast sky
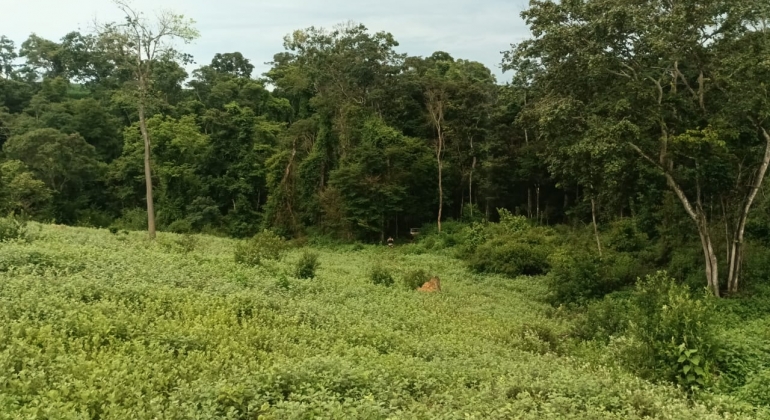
{"x": 472, "y": 29}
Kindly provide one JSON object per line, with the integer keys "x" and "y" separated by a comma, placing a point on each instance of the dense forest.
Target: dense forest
{"x": 655, "y": 112}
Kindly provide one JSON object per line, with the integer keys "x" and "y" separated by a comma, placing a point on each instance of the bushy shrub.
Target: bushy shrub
{"x": 15, "y": 228}
{"x": 511, "y": 223}
{"x": 675, "y": 332}
{"x": 452, "y": 234}
{"x": 511, "y": 258}
{"x": 132, "y": 220}
{"x": 625, "y": 236}
{"x": 757, "y": 389}
{"x": 743, "y": 353}
{"x": 686, "y": 263}
{"x": 307, "y": 265}
{"x": 515, "y": 254}
{"x": 575, "y": 277}
{"x": 579, "y": 276}
{"x": 265, "y": 245}
{"x": 183, "y": 244}
{"x": 415, "y": 279}
{"x": 187, "y": 243}
{"x": 381, "y": 276}
{"x": 538, "y": 338}
{"x": 180, "y": 226}
{"x": 473, "y": 235}
{"x": 602, "y": 319}
{"x": 472, "y": 213}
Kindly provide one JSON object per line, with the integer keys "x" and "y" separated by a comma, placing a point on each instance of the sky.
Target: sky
{"x": 474, "y": 30}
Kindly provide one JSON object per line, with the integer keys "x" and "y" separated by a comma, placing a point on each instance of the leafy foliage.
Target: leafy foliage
{"x": 265, "y": 245}
{"x": 514, "y": 254}
{"x": 578, "y": 276}
{"x": 415, "y": 279}
{"x": 307, "y": 265}
{"x": 381, "y": 276}
{"x": 15, "y": 228}
{"x": 675, "y": 332}
{"x": 236, "y": 343}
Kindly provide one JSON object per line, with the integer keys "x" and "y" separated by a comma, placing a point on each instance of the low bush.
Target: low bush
{"x": 15, "y": 228}
{"x": 37, "y": 261}
{"x": 381, "y": 276}
{"x": 579, "y": 276}
{"x": 183, "y": 244}
{"x": 624, "y": 236}
{"x": 415, "y": 279}
{"x": 675, "y": 333}
{"x": 757, "y": 389}
{"x": 603, "y": 319}
{"x": 452, "y": 234}
{"x": 307, "y": 265}
{"x": 539, "y": 338}
{"x": 686, "y": 264}
{"x": 472, "y": 235}
{"x": 187, "y": 243}
{"x": 180, "y": 226}
{"x": 522, "y": 253}
{"x": 132, "y": 220}
{"x": 265, "y": 245}
{"x": 510, "y": 223}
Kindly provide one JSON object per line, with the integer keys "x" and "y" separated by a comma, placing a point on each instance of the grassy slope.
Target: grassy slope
{"x": 117, "y": 327}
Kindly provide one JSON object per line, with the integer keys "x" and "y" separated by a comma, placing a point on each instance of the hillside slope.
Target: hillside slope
{"x": 96, "y": 325}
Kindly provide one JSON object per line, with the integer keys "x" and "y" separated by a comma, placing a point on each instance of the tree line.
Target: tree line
{"x": 655, "y": 110}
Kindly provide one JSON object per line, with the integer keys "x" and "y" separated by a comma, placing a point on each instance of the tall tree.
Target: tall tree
{"x": 139, "y": 44}
{"x": 664, "y": 71}
{"x": 7, "y": 56}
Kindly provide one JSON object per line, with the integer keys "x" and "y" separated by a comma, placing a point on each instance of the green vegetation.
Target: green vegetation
{"x": 113, "y": 326}
{"x": 381, "y": 276}
{"x": 263, "y": 246}
{"x": 307, "y": 265}
{"x": 600, "y": 223}
{"x": 414, "y": 279}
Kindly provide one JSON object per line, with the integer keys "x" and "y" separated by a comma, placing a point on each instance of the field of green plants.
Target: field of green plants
{"x": 107, "y": 325}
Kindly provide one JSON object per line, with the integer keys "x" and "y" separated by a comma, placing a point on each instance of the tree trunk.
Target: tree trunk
{"x": 736, "y": 248}
{"x": 470, "y": 186}
{"x": 712, "y": 266}
{"x": 697, "y": 214}
{"x": 596, "y": 227}
{"x": 529, "y": 202}
{"x": 440, "y": 192}
{"x": 147, "y": 172}
{"x": 435, "y": 107}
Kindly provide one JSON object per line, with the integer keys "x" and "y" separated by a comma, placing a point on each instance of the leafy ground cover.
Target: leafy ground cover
{"x": 106, "y": 325}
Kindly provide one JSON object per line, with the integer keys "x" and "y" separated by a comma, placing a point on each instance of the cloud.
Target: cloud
{"x": 476, "y": 30}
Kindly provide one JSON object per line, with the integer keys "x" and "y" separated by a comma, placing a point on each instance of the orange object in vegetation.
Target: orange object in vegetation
{"x": 434, "y": 285}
